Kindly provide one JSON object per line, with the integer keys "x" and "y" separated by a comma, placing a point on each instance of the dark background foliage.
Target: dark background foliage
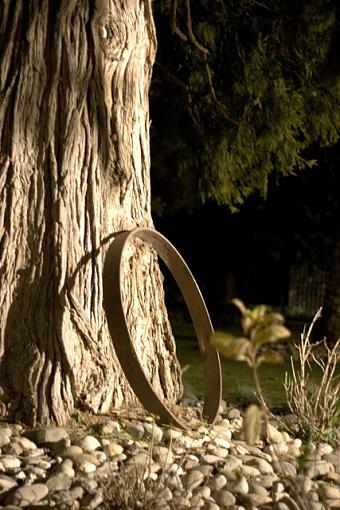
{"x": 245, "y": 168}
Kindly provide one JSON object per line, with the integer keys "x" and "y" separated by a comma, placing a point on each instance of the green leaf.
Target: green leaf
{"x": 247, "y": 323}
{"x": 258, "y": 313}
{"x": 240, "y": 305}
{"x": 252, "y": 423}
{"x": 271, "y": 334}
{"x": 230, "y": 346}
{"x": 274, "y": 358}
{"x": 274, "y": 318}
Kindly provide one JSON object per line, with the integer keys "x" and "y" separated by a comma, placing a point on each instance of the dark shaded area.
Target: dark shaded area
{"x": 250, "y": 254}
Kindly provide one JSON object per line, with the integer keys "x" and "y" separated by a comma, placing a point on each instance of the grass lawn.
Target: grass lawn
{"x": 236, "y": 376}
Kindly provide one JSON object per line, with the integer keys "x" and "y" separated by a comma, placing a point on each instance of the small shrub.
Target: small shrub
{"x": 315, "y": 406}
{"x": 261, "y": 328}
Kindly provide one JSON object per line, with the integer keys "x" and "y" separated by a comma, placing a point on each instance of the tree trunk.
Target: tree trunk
{"x": 330, "y": 320}
{"x": 74, "y": 153}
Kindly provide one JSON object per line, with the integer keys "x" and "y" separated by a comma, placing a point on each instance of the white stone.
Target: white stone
{"x": 315, "y": 469}
{"x": 99, "y": 455}
{"x": 10, "y": 462}
{"x": 109, "y": 427}
{"x": 261, "y": 464}
{"x": 89, "y": 443}
{"x": 222, "y": 453}
{"x": 136, "y": 430}
{"x": 36, "y": 452}
{"x": 231, "y": 463}
{"x": 217, "y": 482}
{"x": 49, "y": 434}
{"x": 258, "y": 489}
{"x": 241, "y": 449}
{"x": 328, "y": 492}
{"x": 297, "y": 442}
{"x": 210, "y": 459}
{"x": 250, "y": 470}
{"x": 163, "y": 455}
{"x": 233, "y": 414}
{"x": 193, "y": 479}
{"x": 204, "y": 491}
{"x": 324, "y": 449}
{"x": 225, "y": 499}
{"x": 6, "y": 432}
{"x": 172, "y": 434}
{"x": 66, "y": 467}
{"x": 239, "y": 486}
{"x": 26, "y": 443}
{"x": 223, "y": 443}
{"x": 27, "y": 494}
{"x": 4, "y": 439}
{"x": 87, "y": 467}
{"x": 112, "y": 449}
{"x": 154, "y": 431}
{"x": 267, "y": 481}
{"x": 6, "y": 483}
{"x": 274, "y": 435}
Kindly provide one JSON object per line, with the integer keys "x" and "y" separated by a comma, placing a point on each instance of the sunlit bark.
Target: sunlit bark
{"x": 74, "y": 153}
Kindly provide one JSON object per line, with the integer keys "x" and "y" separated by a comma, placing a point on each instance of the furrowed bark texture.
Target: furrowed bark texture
{"x": 74, "y": 168}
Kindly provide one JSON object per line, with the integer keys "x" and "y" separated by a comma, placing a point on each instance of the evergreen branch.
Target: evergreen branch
{"x": 191, "y": 35}
{"x": 174, "y": 27}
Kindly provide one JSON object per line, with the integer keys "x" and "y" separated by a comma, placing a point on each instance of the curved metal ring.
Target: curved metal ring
{"x": 121, "y": 338}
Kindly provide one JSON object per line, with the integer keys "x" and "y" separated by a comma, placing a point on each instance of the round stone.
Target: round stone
{"x": 231, "y": 463}
{"x": 329, "y": 492}
{"x": 25, "y": 443}
{"x": 261, "y": 464}
{"x": 89, "y": 443}
{"x": 172, "y": 434}
{"x": 4, "y": 439}
{"x": 27, "y": 495}
{"x": 163, "y": 455}
{"x": 87, "y": 467}
{"x": 250, "y": 471}
{"x": 71, "y": 450}
{"x": 274, "y": 435}
{"x": 233, "y": 414}
{"x": 193, "y": 479}
{"x": 136, "y": 430}
{"x": 217, "y": 483}
{"x": 59, "y": 482}
{"x": 10, "y": 462}
{"x": 154, "y": 431}
{"x": 49, "y": 434}
{"x": 6, "y": 483}
{"x": 225, "y": 499}
{"x": 66, "y": 467}
{"x": 109, "y": 427}
{"x": 112, "y": 449}
{"x": 239, "y": 486}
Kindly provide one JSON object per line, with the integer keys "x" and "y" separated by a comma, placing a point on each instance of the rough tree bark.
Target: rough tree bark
{"x": 74, "y": 149}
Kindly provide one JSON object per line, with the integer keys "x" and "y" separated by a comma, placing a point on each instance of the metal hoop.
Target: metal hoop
{"x": 113, "y": 306}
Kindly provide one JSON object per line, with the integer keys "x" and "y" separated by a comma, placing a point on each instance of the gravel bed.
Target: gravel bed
{"x": 129, "y": 463}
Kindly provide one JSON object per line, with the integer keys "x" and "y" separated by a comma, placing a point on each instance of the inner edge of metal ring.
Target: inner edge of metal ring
{"x": 115, "y": 314}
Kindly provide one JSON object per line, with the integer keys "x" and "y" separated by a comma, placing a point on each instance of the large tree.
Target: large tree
{"x": 74, "y": 153}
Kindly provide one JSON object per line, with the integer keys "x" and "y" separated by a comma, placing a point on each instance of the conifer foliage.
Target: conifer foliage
{"x": 240, "y": 92}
